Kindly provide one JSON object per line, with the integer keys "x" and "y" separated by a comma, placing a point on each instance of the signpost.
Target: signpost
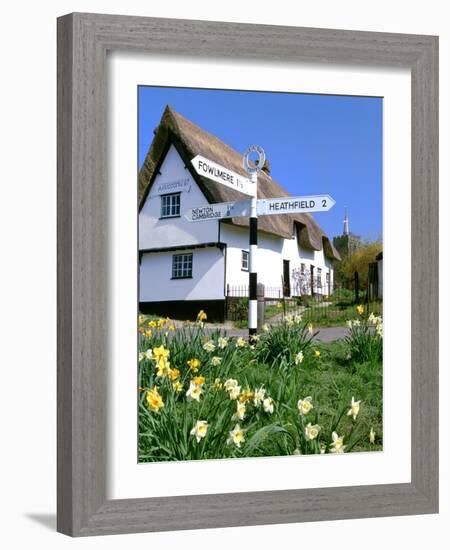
{"x": 253, "y": 162}
{"x": 219, "y": 211}
{"x": 220, "y": 174}
{"x": 291, "y": 205}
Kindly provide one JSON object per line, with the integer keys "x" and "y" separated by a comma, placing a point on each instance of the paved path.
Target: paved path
{"x": 327, "y": 334}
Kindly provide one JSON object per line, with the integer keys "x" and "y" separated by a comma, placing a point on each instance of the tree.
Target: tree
{"x": 359, "y": 261}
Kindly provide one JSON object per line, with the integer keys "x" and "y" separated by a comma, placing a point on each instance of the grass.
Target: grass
{"x": 330, "y": 373}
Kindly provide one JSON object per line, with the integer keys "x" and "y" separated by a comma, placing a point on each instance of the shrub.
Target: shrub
{"x": 365, "y": 340}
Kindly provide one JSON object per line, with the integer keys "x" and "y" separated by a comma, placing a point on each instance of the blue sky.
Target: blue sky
{"x": 315, "y": 143}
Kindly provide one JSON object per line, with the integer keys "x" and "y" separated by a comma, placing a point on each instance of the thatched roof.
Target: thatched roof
{"x": 190, "y": 141}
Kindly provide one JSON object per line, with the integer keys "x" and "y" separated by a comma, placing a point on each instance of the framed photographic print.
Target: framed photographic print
{"x": 247, "y": 274}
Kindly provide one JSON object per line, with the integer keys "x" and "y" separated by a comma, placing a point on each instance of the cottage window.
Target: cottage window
{"x": 182, "y": 266}
{"x": 319, "y": 277}
{"x": 170, "y": 205}
{"x": 244, "y": 261}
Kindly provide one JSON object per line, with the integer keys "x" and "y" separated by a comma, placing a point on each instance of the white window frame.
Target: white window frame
{"x": 170, "y": 205}
{"x": 245, "y": 256}
{"x": 182, "y": 265}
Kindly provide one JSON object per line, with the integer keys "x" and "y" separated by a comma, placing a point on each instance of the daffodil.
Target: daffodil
{"x": 258, "y": 396}
{"x": 148, "y": 333}
{"x": 199, "y": 380}
{"x": 160, "y": 352}
{"x": 360, "y": 309}
{"x": 199, "y": 430}
{"x": 141, "y": 356}
{"x": 141, "y": 319}
{"x": 152, "y": 324}
{"x": 298, "y": 319}
{"x": 372, "y": 436}
{"x": 230, "y": 383}
{"x": 233, "y": 392}
{"x": 215, "y": 361}
{"x": 218, "y": 384}
{"x": 297, "y": 452}
{"x": 289, "y": 320}
{"x": 161, "y": 323}
{"x": 299, "y": 358}
{"x": 154, "y": 399}
{"x": 305, "y": 405}
{"x": 163, "y": 367}
{"x": 193, "y": 364}
{"x": 240, "y": 342}
{"x": 172, "y": 327}
{"x": 255, "y": 337}
{"x": 246, "y": 395}
{"x": 177, "y": 386}
{"x": 349, "y": 323}
{"x": 240, "y": 411}
{"x": 236, "y": 436}
{"x": 310, "y": 328}
{"x": 312, "y": 431}
{"x": 337, "y": 446}
{"x": 268, "y": 405}
{"x": 209, "y": 346}
{"x": 222, "y": 342}
{"x": 174, "y": 374}
{"x": 265, "y": 327}
{"x": 148, "y": 354}
{"x": 194, "y": 392}
{"x": 201, "y": 316}
{"x": 317, "y": 353}
{"x": 379, "y": 330}
{"x": 354, "y": 408}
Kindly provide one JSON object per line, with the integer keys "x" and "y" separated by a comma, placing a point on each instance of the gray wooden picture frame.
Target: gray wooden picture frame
{"x": 83, "y": 42}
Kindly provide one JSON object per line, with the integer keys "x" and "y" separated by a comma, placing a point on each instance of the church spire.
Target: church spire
{"x": 346, "y": 227}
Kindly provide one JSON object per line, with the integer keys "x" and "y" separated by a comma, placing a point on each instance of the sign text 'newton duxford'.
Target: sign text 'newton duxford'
{"x": 220, "y": 174}
{"x": 219, "y": 211}
{"x": 291, "y": 205}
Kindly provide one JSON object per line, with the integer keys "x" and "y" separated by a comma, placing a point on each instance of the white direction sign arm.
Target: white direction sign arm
{"x": 291, "y": 205}
{"x": 219, "y": 211}
{"x": 218, "y": 173}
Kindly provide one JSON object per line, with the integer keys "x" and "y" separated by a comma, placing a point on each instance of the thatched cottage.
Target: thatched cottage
{"x": 187, "y": 266}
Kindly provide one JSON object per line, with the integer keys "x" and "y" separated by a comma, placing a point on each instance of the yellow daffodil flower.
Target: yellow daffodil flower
{"x": 201, "y": 316}
{"x": 148, "y": 333}
{"x": 152, "y": 324}
{"x": 174, "y": 374}
{"x": 199, "y": 430}
{"x": 154, "y": 399}
{"x": 141, "y": 319}
{"x": 317, "y": 353}
{"x": 360, "y": 309}
{"x": 218, "y": 384}
{"x": 246, "y": 395}
{"x": 160, "y": 352}
{"x": 177, "y": 386}
{"x": 354, "y": 408}
{"x": 199, "y": 380}
{"x": 236, "y": 436}
{"x": 194, "y": 364}
{"x": 305, "y": 405}
{"x": 310, "y": 328}
{"x": 372, "y": 437}
{"x": 233, "y": 393}
{"x": 172, "y": 327}
{"x": 163, "y": 367}
{"x": 312, "y": 431}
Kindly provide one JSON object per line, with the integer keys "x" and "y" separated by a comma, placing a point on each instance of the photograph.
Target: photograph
{"x": 260, "y": 275}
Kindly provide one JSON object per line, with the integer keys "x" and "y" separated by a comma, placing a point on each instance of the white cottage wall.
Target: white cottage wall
{"x": 155, "y": 232}
{"x": 207, "y": 282}
{"x": 272, "y": 250}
